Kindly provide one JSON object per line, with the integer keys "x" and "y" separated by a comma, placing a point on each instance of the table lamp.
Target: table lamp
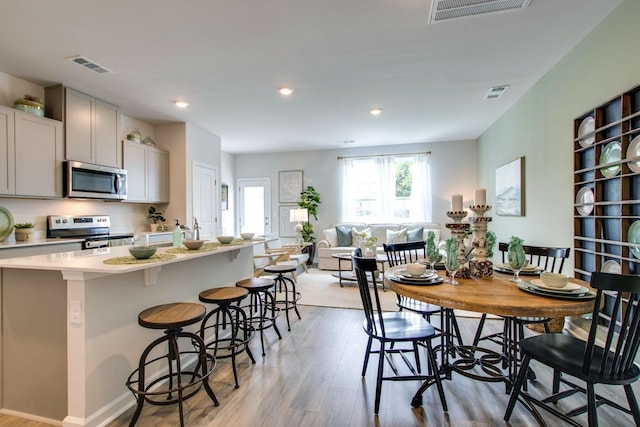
{"x": 298, "y": 216}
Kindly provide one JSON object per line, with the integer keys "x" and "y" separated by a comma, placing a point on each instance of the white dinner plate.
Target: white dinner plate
{"x": 584, "y": 201}
{"x": 570, "y": 287}
{"x": 611, "y": 153}
{"x": 633, "y": 236}
{"x": 634, "y": 151}
{"x": 6, "y": 223}
{"x": 611, "y": 266}
{"x": 585, "y": 132}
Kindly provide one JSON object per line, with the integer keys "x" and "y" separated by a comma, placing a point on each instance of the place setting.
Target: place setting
{"x": 526, "y": 270}
{"x": 556, "y": 285}
{"x": 415, "y": 274}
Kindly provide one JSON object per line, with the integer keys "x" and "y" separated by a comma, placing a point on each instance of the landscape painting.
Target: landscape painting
{"x": 510, "y": 188}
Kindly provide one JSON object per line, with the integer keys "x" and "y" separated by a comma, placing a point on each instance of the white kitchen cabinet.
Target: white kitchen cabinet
{"x": 147, "y": 173}
{"x": 91, "y": 126}
{"x": 33, "y": 151}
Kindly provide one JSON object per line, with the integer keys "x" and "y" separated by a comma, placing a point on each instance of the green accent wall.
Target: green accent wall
{"x": 540, "y": 128}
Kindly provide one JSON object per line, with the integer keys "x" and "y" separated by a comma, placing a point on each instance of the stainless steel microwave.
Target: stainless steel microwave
{"x": 86, "y": 180}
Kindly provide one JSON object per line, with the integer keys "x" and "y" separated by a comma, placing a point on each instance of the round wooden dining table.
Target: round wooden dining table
{"x": 491, "y": 295}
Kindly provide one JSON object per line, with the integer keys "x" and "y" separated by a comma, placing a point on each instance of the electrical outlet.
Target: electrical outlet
{"x": 75, "y": 312}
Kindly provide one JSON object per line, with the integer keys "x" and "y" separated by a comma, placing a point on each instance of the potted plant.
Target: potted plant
{"x": 155, "y": 216}
{"x": 24, "y": 231}
{"x": 309, "y": 200}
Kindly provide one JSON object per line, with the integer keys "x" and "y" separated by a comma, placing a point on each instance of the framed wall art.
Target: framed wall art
{"x": 286, "y": 227}
{"x": 224, "y": 197}
{"x": 289, "y": 186}
{"x": 510, "y": 188}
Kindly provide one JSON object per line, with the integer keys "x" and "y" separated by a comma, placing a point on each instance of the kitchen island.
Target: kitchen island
{"x": 70, "y": 336}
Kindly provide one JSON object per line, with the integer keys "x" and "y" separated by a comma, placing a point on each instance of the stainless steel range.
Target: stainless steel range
{"x": 95, "y": 229}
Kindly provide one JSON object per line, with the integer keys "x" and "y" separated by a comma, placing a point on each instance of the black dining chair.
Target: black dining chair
{"x": 404, "y": 253}
{"x": 547, "y": 258}
{"x": 391, "y": 330}
{"x": 606, "y": 357}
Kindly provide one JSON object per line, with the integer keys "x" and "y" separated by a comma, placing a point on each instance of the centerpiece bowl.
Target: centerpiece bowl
{"x": 193, "y": 244}
{"x": 225, "y": 240}
{"x": 247, "y": 236}
{"x": 142, "y": 252}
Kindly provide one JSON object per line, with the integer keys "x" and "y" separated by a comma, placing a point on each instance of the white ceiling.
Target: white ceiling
{"x": 342, "y": 57}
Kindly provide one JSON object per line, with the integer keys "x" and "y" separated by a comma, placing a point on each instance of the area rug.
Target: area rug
{"x": 320, "y": 288}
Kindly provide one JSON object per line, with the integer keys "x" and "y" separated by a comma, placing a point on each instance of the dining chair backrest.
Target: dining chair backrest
{"x": 404, "y": 253}
{"x": 616, "y": 324}
{"x": 365, "y": 273}
{"x": 551, "y": 259}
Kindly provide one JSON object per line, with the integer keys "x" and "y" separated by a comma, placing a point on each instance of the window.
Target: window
{"x": 386, "y": 189}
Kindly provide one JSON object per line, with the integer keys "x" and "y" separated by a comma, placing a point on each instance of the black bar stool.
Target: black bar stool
{"x": 180, "y": 382}
{"x": 262, "y": 310}
{"x": 229, "y": 321}
{"x": 286, "y": 286}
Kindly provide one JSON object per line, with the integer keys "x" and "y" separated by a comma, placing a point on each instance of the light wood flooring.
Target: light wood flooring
{"x": 312, "y": 378}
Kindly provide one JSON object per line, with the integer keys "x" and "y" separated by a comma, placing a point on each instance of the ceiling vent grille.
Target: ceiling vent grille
{"x": 496, "y": 92}
{"x": 444, "y": 10}
{"x": 89, "y": 64}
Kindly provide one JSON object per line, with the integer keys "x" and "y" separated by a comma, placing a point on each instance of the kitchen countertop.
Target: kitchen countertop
{"x": 91, "y": 261}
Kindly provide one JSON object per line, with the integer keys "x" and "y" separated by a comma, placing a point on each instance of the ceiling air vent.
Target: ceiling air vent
{"x": 496, "y": 92}
{"x": 89, "y": 64}
{"x": 444, "y": 10}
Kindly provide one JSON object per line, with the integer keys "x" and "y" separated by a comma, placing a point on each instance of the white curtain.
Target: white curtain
{"x": 369, "y": 190}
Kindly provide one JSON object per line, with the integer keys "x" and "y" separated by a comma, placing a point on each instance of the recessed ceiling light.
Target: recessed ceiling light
{"x": 285, "y": 90}
{"x": 376, "y": 111}
{"x": 181, "y": 104}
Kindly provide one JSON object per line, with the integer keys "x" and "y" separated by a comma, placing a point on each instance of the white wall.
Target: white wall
{"x": 453, "y": 170}
{"x": 227, "y": 176}
{"x": 540, "y": 127}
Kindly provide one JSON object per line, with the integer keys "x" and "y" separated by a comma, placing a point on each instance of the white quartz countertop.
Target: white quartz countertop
{"x": 91, "y": 261}
{"x": 14, "y": 245}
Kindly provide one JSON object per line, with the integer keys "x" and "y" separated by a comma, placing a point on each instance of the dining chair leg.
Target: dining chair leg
{"x": 592, "y": 414}
{"x": 379, "y": 379}
{"x": 436, "y": 375}
{"x": 515, "y": 391}
{"x": 556, "y": 381}
{"x": 633, "y": 403}
{"x": 417, "y": 356}
{"x": 366, "y": 356}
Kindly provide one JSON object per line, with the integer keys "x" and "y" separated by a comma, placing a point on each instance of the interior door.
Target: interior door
{"x": 254, "y": 206}
{"x": 205, "y": 199}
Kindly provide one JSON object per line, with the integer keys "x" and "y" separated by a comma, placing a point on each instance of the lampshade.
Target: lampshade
{"x": 298, "y": 215}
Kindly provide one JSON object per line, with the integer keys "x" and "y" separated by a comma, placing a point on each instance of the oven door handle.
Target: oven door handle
{"x": 92, "y": 244}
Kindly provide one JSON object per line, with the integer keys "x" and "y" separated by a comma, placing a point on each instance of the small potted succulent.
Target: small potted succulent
{"x": 154, "y": 216}
{"x": 23, "y": 231}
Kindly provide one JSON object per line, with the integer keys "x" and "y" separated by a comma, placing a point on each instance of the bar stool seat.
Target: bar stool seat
{"x": 261, "y": 309}
{"x": 181, "y": 381}
{"x": 227, "y": 321}
{"x": 286, "y": 287}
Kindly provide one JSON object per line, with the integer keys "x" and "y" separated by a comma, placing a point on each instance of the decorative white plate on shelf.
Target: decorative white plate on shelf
{"x": 634, "y": 151}
{"x": 6, "y": 223}
{"x": 611, "y": 153}
{"x": 584, "y": 200}
{"x": 611, "y": 266}
{"x": 585, "y": 132}
{"x": 569, "y": 287}
{"x": 633, "y": 236}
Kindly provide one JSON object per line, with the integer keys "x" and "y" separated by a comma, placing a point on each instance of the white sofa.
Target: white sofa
{"x": 326, "y": 249}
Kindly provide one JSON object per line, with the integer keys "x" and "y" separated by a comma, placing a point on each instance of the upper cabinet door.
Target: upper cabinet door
{"x": 7, "y": 164}
{"x": 78, "y": 126}
{"x": 107, "y": 121}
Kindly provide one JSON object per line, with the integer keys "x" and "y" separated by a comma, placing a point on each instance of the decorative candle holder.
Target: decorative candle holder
{"x": 458, "y": 229}
{"x": 480, "y": 265}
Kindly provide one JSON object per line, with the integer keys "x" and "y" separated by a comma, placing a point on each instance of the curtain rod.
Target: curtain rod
{"x": 383, "y": 155}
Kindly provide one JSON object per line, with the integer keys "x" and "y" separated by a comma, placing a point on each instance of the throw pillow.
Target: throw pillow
{"x": 356, "y": 236}
{"x": 399, "y": 236}
{"x": 415, "y": 235}
{"x": 332, "y": 237}
{"x": 344, "y": 235}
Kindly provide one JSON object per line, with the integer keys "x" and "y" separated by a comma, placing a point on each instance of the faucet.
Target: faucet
{"x": 196, "y": 229}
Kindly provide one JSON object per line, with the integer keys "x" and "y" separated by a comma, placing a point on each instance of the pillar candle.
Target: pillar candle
{"x": 456, "y": 202}
{"x": 480, "y": 197}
